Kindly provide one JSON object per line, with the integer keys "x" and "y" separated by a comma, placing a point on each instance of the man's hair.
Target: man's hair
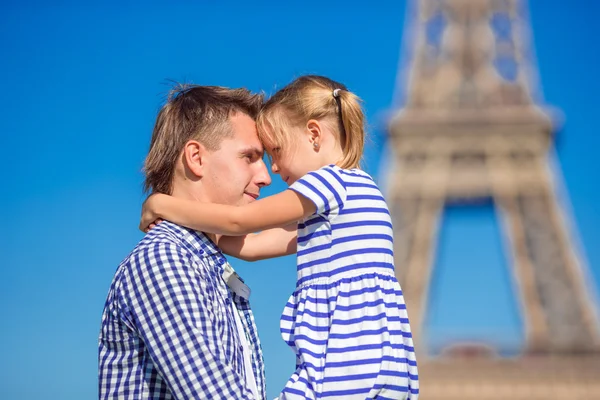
{"x": 192, "y": 112}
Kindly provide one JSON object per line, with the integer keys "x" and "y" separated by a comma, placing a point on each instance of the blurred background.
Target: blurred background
{"x": 482, "y": 134}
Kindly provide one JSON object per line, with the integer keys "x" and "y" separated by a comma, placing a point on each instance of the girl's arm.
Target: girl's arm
{"x": 271, "y": 243}
{"x": 275, "y": 211}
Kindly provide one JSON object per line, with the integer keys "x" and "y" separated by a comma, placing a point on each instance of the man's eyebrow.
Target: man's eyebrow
{"x": 252, "y": 150}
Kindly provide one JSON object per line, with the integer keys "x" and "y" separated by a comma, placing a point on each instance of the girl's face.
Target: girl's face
{"x": 295, "y": 159}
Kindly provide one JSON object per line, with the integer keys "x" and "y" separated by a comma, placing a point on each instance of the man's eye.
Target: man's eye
{"x": 251, "y": 157}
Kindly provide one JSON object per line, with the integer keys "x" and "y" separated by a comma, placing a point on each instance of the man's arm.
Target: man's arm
{"x": 271, "y": 243}
{"x": 172, "y": 305}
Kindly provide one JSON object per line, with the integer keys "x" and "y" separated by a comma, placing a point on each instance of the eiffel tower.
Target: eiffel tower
{"x": 471, "y": 128}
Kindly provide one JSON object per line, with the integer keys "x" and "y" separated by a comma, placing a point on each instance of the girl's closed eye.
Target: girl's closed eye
{"x": 274, "y": 153}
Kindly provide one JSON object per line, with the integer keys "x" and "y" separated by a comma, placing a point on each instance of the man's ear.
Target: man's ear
{"x": 194, "y": 157}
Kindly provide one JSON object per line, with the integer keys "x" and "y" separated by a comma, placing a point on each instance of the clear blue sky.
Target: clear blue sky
{"x": 81, "y": 85}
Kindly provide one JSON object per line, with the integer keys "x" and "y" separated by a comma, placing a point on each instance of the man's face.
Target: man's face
{"x": 236, "y": 172}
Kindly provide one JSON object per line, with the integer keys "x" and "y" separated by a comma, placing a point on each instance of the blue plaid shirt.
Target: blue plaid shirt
{"x": 168, "y": 328}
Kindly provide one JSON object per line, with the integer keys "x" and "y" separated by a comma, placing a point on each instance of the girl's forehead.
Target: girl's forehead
{"x": 268, "y": 139}
{"x": 272, "y": 137}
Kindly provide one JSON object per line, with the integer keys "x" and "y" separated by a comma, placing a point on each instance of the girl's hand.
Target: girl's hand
{"x": 153, "y": 225}
{"x": 150, "y": 217}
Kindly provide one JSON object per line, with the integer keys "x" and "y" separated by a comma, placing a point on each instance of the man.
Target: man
{"x": 177, "y": 323}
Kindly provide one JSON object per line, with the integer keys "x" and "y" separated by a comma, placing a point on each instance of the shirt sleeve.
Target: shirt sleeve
{"x": 325, "y": 188}
{"x": 172, "y": 305}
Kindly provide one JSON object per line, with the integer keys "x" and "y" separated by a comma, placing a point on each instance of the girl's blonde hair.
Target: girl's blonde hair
{"x": 320, "y": 98}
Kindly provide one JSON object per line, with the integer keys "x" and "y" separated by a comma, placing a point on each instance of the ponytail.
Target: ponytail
{"x": 352, "y": 129}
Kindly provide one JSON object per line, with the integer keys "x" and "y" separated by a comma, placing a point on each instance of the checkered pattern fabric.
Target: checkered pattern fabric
{"x": 168, "y": 329}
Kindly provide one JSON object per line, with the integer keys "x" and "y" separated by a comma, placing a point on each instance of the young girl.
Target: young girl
{"x": 346, "y": 321}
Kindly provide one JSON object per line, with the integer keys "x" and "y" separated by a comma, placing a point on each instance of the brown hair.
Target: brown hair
{"x": 192, "y": 112}
{"x": 312, "y": 97}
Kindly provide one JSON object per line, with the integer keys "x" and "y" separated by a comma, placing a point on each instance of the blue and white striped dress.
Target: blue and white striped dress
{"x": 346, "y": 320}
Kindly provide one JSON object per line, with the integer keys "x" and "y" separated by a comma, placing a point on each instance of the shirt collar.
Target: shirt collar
{"x": 198, "y": 241}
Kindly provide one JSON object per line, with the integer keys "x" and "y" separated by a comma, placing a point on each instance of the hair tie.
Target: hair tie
{"x": 338, "y": 100}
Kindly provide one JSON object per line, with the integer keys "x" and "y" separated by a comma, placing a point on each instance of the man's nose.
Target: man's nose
{"x": 262, "y": 176}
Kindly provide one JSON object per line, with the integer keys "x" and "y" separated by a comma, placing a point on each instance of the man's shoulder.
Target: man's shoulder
{"x": 161, "y": 245}
{"x": 158, "y": 237}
